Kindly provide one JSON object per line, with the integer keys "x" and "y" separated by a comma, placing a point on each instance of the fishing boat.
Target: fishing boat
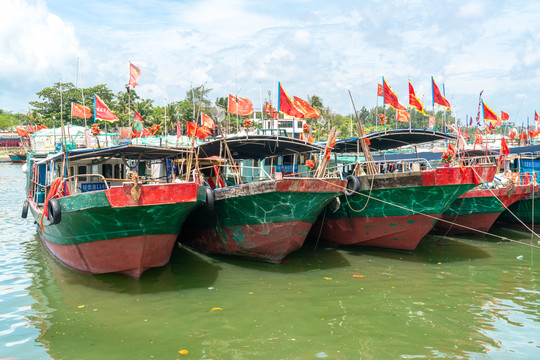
{"x": 18, "y": 157}
{"x": 478, "y": 209}
{"x": 110, "y": 210}
{"x": 264, "y": 207}
{"x": 396, "y": 204}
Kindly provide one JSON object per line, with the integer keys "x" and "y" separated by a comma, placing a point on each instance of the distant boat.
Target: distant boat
{"x": 17, "y": 157}
{"x": 110, "y": 210}
{"x": 479, "y": 208}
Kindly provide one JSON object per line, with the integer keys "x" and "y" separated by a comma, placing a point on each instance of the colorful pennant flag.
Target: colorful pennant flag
{"x": 80, "y": 111}
{"x": 102, "y": 112}
{"x": 413, "y": 100}
{"x": 305, "y": 108}
{"x": 137, "y": 124}
{"x": 488, "y": 113}
{"x": 390, "y": 97}
{"x": 286, "y": 106}
{"x": 380, "y": 91}
{"x": 438, "y": 98}
{"x": 239, "y": 106}
{"x": 134, "y": 75}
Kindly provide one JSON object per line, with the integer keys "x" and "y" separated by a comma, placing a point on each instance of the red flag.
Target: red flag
{"x": 80, "y": 111}
{"x": 269, "y": 110}
{"x": 413, "y": 100}
{"x": 504, "y": 147}
{"x": 207, "y": 121}
{"x": 146, "y": 132}
{"x": 380, "y": 91}
{"x": 134, "y": 75}
{"x": 193, "y": 129}
{"x": 305, "y": 108}
{"x": 40, "y": 127}
{"x": 240, "y": 106}
{"x": 31, "y": 129}
{"x": 451, "y": 149}
{"x": 403, "y": 116}
{"x": 504, "y": 116}
{"x": 488, "y": 113}
{"x": 431, "y": 122}
{"x": 391, "y": 98}
{"x": 437, "y": 96}
{"x": 536, "y": 116}
{"x": 102, "y": 111}
{"x": 285, "y": 105}
{"x": 329, "y": 147}
{"x": 22, "y": 132}
{"x": 178, "y": 129}
{"x": 310, "y": 139}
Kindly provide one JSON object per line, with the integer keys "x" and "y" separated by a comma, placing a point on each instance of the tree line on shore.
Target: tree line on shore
{"x": 54, "y": 105}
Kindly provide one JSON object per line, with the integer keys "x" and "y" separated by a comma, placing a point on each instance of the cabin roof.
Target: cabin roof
{"x": 258, "y": 146}
{"x": 393, "y": 139}
{"x": 128, "y": 151}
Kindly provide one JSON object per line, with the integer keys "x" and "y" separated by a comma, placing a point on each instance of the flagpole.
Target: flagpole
{"x": 377, "y": 110}
{"x": 384, "y": 103}
{"x": 165, "y": 121}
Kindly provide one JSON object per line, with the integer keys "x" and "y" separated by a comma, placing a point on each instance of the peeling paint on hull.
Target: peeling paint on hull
{"x": 478, "y": 209}
{"x": 392, "y": 218}
{"x": 106, "y": 231}
{"x": 263, "y": 220}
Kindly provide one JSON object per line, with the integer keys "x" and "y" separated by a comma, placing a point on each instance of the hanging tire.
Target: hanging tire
{"x": 334, "y": 205}
{"x": 25, "y": 209}
{"x": 353, "y": 185}
{"x": 209, "y": 205}
{"x": 54, "y": 212}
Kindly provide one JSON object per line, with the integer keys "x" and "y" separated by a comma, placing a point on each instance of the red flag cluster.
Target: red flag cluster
{"x": 194, "y": 130}
{"x": 239, "y": 106}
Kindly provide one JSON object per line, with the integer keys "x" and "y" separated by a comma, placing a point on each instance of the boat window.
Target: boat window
{"x": 81, "y": 170}
{"x": 118, "y": 171}
{"x": 107, "y": 171}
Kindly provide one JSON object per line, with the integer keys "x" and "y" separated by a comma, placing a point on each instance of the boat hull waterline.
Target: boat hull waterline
{"x": 263, "y": 220}
{"x": 109, "y": 232}
{"x": 396, "y": 210}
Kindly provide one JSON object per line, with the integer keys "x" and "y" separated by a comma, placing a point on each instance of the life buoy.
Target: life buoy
{"x": 25, "y": 209}
{"x": 334, "y": 205}
{"x": 209, "y": 205}
{"x": 353, "y": 185}
{"x": 54, "y": 212}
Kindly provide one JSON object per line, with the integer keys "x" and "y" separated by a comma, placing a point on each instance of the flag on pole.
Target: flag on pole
{"x": 413, "y": 100}
{"x": 390, "y": 97}
{"x": 504, "y": 116}
{"x": 438, "y": 98}
{"x": 305, "y": 108}
{"x": 239, "y": 106}
{"x": 403, "y": 116}
{"x": 286, "y": 106}
{"x": 380, "y": 91}
{"x": 207, "y": 121}
{"x": 134, "y": 75}
{"x": 536, "y": 116}
{"x": 102, "y": 112}
{"x": 504, "y": 147}
{"x": 431, "y": 124}
{"x": 488, "y": 113}
{"x": 194, "y": 129}
{"x": 80, "y": 111}
{"x": 269, "y": 110}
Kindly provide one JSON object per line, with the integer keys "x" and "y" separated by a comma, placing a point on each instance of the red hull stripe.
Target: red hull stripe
{"x": 130, "y": 255}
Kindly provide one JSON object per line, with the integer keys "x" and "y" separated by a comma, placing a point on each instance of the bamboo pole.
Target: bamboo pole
{"x": 365, "y": 148}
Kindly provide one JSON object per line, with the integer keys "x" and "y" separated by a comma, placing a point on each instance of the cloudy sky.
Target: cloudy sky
{"x": 244, "y": 47}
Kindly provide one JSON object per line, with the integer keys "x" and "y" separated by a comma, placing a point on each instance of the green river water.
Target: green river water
{"x": 453, "y": 298}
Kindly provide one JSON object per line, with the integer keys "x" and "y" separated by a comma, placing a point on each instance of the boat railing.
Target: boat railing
{"x": 475, "y": 160}
{"x": 381, "y": 167}
{"x": 249, "y": 173}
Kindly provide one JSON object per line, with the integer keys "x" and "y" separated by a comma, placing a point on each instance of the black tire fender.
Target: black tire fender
{"x": 210, "y": 198}
{"x": 25, "y": 209}
{"x": 353, "y": 185}
{"x": 54, "y": 212}
{"x": 334, "y": 205}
